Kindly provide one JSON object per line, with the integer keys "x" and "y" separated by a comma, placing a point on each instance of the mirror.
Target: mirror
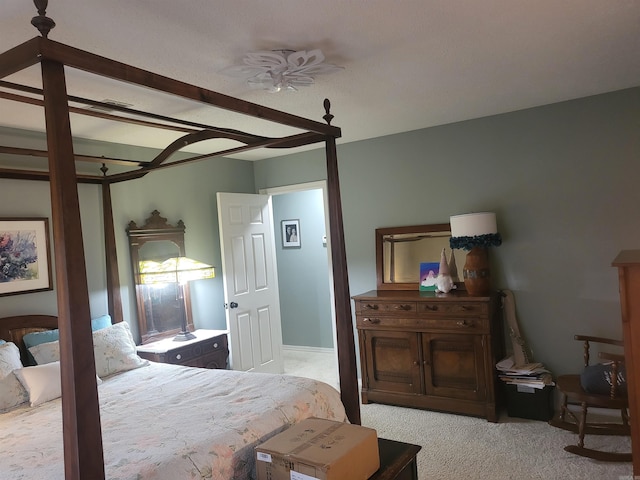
{"x": 400, "y": 250}
{"x": 160, "y": 306}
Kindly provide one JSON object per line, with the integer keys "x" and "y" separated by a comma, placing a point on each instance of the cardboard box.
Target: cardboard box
{"x": 319, "y": 449}
{"x": 531, "y": 403}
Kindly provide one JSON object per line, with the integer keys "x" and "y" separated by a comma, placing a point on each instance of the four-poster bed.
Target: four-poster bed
{"x": 82, "y": 435}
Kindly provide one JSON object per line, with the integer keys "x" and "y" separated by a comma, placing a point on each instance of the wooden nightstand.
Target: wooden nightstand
{"x": 397, "y": 461}
{"x": 208, "y": 350}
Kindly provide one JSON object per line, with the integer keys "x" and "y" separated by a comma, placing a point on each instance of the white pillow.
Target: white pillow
{"x": 12, "y": 393}
{"x": 42, "y": 382}
{"x": 115, "y": 350}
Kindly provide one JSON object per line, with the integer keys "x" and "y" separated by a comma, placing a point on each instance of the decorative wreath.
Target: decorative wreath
{"x": 467, "y": 243}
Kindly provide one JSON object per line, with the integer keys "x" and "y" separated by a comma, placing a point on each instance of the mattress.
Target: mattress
{"x": 170, "y": 422}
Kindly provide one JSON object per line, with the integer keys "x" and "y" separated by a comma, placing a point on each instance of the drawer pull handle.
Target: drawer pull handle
{"x": 215, "y": 345}
{"x": 433, "y": 308}
{"x": 372, "y": 320}
{"x": 463, "y": 323}
{"x": 468, "y": 308}
{"x": 368, "y": 306}
{"x": 406, "y": 308}
{"x": 178, "y": 357}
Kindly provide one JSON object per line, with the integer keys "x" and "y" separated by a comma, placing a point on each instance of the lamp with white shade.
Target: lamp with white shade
{"x": 475, "y": 232}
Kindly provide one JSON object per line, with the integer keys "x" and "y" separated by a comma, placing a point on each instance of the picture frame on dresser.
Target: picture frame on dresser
{"x": 25, "y": 261}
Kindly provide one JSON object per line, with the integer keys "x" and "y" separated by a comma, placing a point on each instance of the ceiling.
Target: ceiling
{"x": 408, "y": 64}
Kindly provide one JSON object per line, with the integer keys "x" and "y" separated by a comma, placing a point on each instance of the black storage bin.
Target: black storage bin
{"x": 528, "y": 402}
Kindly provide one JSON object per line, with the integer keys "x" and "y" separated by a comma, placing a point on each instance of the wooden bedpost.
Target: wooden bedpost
{"x": 82, "y": 434}
{"x": 344, "y": 322}
{"x": 113, "y": 276}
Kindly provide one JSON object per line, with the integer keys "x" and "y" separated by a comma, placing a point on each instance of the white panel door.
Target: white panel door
{"x": 250, "y": 282}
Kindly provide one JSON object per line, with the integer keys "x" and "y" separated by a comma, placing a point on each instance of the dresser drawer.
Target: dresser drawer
{"x": 386, "y": 308}
{"x": 453, "y": 309}
{"x": 374, "y": 321}
{"x": 458, "y": 324}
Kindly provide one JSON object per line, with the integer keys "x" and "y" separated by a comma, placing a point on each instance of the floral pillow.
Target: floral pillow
{"x": 115, "y": 350}
{"x": 48, "y": 352}
{"x": 12, "y": 393}
{"x": 113, "y": 347}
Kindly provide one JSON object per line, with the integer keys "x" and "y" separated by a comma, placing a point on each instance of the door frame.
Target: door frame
{"x": 301, "y": 187}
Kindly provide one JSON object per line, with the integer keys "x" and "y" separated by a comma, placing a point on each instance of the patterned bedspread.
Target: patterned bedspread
{"x": 167, "y": 422}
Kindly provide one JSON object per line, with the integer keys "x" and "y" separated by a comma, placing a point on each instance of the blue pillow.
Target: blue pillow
{"x": 101, "y": 322}
{"x": 2, "y": 341}
{"x": 36, "y": 338}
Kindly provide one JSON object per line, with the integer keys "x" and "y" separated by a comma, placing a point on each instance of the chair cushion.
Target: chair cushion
{"x": 597, "y": 379}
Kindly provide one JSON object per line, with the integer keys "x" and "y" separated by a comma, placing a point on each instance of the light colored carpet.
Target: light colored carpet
{"x": 459, "y": 447}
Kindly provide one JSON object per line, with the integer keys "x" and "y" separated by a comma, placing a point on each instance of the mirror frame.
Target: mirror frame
{"x": 381, "y": 232}
{"x": 155, "y": 228}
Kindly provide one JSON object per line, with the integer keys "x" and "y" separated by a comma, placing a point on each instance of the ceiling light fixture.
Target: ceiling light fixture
{"x": 283, "y": 69}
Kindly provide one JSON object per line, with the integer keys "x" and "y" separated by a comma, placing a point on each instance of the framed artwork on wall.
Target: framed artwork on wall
{"x": 291, "y": 233}
{"x": 25, "y": 264}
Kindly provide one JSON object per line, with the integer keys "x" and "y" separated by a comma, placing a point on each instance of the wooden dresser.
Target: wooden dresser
{"x": 628, "y": 264}
{"x": 431, "y": 351}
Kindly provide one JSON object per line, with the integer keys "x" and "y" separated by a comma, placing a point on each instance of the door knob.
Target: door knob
{"x": 233, "y": 305}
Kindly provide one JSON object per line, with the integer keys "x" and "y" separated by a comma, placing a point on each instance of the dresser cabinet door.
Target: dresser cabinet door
{"x": 392, "y": 361}
{"x": 454, "y": 366}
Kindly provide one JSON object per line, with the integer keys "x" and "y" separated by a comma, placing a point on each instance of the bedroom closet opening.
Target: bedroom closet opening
{"x": 305, "y": 281}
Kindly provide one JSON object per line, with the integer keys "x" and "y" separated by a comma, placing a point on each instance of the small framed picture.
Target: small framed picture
{"x": 25, "y": 266}
{"x": 428, "y": 274}
{"x": 291, "y": 233}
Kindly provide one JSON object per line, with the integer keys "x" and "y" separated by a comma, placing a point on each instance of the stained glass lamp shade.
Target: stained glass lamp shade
{"x": 178, "y": 270}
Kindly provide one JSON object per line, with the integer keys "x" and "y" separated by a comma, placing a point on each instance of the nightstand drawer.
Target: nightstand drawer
{"x": 208, "y": 350}
{"x": 188, "y": 353}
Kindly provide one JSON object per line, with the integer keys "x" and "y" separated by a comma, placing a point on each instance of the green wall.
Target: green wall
{"x": 561, "y": 178}
{"x": 303, "y": 273}
{"x": 186, "y": 193}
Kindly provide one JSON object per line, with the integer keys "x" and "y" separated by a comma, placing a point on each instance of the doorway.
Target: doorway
{"x": 305, "y": 281}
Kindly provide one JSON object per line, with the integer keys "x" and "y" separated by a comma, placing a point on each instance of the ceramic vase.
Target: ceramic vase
{"x": 477, "y": 280}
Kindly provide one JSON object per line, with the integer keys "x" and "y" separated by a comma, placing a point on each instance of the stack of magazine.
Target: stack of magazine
{"x": 532, "y": 375}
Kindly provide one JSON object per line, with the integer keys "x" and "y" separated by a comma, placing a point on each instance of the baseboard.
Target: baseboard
{"x": 303, "y": 348}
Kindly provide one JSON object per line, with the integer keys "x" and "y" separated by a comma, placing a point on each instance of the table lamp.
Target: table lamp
{"x": 475, "y": 232}
{"x": 178, "y": 270}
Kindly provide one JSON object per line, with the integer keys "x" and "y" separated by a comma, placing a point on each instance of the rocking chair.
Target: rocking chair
{"x": 608, "y": 391}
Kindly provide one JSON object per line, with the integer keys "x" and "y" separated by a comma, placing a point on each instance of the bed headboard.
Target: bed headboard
{"x": 12, "y": 329}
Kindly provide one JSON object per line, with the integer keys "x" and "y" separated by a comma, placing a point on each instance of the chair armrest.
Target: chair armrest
{"x": 609, "y": 341}
{"x": 614, "y": 357}
{"x": 588, "y": 339}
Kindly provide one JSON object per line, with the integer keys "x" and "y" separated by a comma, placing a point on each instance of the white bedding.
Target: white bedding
{"x": 168, "y": 422}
